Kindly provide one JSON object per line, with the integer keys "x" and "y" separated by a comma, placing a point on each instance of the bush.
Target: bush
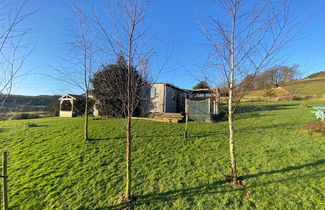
{"x": 30, "y": 124}
{"x": 296, "y": 98}
{"x": 22, "y": 116}
{"x": 270, "y": 93}
{"x": 315, "y": 126}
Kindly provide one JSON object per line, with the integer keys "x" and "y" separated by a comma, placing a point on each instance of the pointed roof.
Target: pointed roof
{"x": 71, "y": 96}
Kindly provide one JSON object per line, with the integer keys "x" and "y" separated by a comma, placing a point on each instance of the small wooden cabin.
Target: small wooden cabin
{"x": 163, "y": 98}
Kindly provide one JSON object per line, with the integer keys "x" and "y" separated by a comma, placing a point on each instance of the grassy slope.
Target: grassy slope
{"x": 305, "y": 87}
{"x": 52, "y": 167}
{"x": 308, "y": 87}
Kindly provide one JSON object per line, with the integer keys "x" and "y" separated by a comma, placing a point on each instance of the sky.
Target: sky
{"x": 176, "y": 21}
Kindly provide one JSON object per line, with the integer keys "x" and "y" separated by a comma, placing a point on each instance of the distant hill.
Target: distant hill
{"x": 318, "y": 74}
{"x": 28, "y": 103}
{"x": 310, "y": 87}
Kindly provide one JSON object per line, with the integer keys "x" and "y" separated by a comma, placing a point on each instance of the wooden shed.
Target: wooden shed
{"x": 163, "y": 98}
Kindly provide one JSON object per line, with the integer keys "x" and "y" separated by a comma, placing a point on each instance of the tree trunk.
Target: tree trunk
{"x": 232, "y": 139}
{"x": 86, "y": 118}
{"x": 87, "y": 93}
{"x": 128, "y": 159}
{"x": 230, "y": 102}
{"x": 128, "y": 127}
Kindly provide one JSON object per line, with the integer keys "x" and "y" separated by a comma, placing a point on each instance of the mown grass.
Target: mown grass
{"x": 51, "y": 166}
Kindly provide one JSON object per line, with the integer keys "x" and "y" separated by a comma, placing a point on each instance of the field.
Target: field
{"x": 309, "y": 87}
{"x": 51, "y": 166}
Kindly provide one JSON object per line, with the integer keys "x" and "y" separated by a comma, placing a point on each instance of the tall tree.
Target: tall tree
{"x": 201, "y": 85}
{"x": 275, "y": 76}
{"x": 282, "y": 74}
{"x": 244, "y": 40}
{"x": 109, "y": 85}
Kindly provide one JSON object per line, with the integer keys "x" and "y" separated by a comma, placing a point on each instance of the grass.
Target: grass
{"x": 308, "y": 87}
{"x": 51, "y": 166}
{"x": 311, "y": 87}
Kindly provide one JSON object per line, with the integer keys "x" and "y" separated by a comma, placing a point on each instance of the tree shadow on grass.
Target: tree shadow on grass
{"x": 268, "y": 107}
{"x": 205, "y": 134}
{"x": 290, "y": 168}
{"x": 172, "y": 195}
{"x": 255, "y": 128}
{"x": 213, "y": 188}
{"x": 113, "y": 207}
{"x": 105, "y": 139}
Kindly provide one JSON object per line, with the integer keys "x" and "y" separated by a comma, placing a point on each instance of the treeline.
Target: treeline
{"x": 20, "y": 103}
{"x": 272, "y": 78}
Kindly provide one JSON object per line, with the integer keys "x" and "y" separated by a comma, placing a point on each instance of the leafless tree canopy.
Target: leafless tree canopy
{"x": 259, "y": 31}
{"x": 123, "y": 31}
{"x": 16, "y": 44}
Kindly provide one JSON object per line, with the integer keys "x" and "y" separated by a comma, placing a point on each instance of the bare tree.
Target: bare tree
{"x": 123, "y": 32}
{"x": 78, "y": 66}
{"x": 245, "y": 39}
{"x": 16, "y": 44}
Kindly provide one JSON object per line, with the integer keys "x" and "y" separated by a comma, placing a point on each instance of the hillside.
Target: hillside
{"x": 318, "y": 74}
{"x": 311, "y": 87}
{"x": 20, "y": 103}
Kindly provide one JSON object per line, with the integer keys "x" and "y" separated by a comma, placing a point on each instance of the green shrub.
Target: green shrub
{"x": 270, "y": 93}
{"x": 22, "y": 116}
{"x": 30, "y": 124}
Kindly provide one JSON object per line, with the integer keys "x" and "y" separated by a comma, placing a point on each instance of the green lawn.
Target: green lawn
{"x": 50, "y": 166}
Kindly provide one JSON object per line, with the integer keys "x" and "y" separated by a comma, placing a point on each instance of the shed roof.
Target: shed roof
{"x": 205, "y": 90}
{"x": 169, "y": 85}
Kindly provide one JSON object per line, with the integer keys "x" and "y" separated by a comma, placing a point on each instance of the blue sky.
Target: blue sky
{"x": 177, "y": 22}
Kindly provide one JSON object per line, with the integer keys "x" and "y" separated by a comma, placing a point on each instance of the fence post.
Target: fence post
{"x": 5, "y": 177}
{"x": 186, "y": 117}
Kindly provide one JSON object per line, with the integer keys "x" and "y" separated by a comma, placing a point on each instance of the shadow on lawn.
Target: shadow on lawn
{"x": 105, "y": 139}
{"x": 205, "y": 134}
{"x": 252, "y": 108}
{"x": 290, "y": 168}
{"x": 251, "y": 111}
{"x": 214, "y": 188}
{"x": 252, "y": 128}
{"x": 172, "y": 195}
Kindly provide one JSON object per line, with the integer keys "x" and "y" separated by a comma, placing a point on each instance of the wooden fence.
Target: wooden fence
{"x": 4, "y": 177}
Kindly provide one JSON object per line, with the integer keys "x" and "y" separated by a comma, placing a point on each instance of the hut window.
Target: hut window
{"x": 152, "y": 92}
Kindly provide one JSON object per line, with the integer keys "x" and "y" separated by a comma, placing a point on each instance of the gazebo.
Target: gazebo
{"x": 70, "y": 105}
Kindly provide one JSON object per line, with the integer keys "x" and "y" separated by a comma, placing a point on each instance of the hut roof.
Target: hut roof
{"x": 71, "y": 96}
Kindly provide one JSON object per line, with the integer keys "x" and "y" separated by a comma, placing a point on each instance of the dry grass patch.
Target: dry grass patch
{"x": 315, "y": 126}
